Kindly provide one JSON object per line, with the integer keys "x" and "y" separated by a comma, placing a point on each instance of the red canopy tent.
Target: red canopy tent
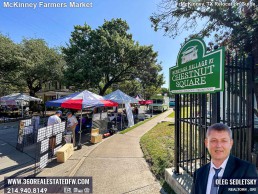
{"x": 79, "y": 101}
{"x": 142, "y": 101}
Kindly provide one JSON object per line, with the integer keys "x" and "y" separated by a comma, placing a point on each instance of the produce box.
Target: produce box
{"x": 64, "y": 152}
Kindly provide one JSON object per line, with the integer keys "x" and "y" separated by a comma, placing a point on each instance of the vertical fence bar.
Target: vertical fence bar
{"x": 183, "y": 131}
{"x": 237, "y": 132}
{"x": 204, "y": 123}
{"x": 191, "y": 131}
{"x": 181, "y": 140}
{"x": 215, "y": 108}
{"x": 245, "y": 96}
{"x": 186, "y": 117}
{"x": 250, "y": 106}
{"x": 240, "y": 78}
{"x": 195, "y": 131}
{"x": 177, "y": 131}
{"x": 228, "y": 88}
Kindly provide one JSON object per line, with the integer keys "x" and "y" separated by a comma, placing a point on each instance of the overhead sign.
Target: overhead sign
{"x": 197, "y": 71}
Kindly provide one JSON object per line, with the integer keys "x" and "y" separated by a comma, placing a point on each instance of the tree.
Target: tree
{"x": 41, "y": 65}
{"x": 9, "y": 55}
{"x": 108, "y": 55}
{"x": 10, "y": 61}
{"x": 174, "y": 17}
{"x": 28, "y": 65}
{"x": 151, "y": 81}
{"x": 131, "y": 87}
{"x": 235, "y": 23}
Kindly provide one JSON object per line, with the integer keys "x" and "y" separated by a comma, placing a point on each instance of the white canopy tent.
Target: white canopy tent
{"x": 18, "y": 98}
{"x": 122, "y": 98}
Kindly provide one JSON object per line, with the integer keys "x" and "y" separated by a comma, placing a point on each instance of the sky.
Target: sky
{"x": 55, "y": 25}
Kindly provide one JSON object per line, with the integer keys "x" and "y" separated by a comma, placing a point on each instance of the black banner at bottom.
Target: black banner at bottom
{"x": 47, "y": 185}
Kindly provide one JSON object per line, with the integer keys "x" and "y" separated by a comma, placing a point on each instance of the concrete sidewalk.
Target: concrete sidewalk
{"x": 12, "y": 161}
{"x": 116, "y": 164}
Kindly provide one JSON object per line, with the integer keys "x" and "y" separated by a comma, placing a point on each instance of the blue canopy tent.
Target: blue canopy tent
{"x": 120, "y": 97}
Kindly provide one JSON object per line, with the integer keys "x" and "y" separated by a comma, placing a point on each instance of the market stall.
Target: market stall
{"x": 142, "y": 101}
{"x": 123, "y": 99}
{"x": 18, "y": 99}
{"x": 79, "y": 101}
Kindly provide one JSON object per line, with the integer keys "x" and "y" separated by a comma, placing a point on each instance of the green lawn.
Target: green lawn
{"x": 136, "y": 125}
{"x": 183, "y": 112}
{"x": 158, "y": 148}
{"x": 172, "y": 115}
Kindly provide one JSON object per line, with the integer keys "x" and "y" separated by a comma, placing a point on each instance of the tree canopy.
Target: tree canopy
{"x": 29, "y": 64}
{"x": 10, "y": 59}
{"x": 108, "y": 55}
{"x": 233, "y": 20}
{"x": 234, "y": 23}
{"x": 42, "y": 64}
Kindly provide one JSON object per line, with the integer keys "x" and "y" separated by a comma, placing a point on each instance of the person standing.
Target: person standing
{"x": 136, "y": 112}
{"x": 219, "y": 143}
{"x": 54, "y": 119}
{"x": 72, "y": 122}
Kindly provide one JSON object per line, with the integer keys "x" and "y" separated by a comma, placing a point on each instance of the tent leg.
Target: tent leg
{"x": 79, "y": 146}
{"x": 122, "y": 117}
{"x": 116, "y": 119}
{"x": 45, "y": 116}
{"x": 22, "y": 108}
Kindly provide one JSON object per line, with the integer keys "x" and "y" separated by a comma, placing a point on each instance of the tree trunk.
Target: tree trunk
{"x": 103, "y": 90}
{"x": 32, "y": 92}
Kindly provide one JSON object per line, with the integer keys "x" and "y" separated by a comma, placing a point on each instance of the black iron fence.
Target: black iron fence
{"x": 234, "y": 107}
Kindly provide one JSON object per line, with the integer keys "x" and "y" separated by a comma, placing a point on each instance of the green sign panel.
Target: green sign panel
{"x": 197, "y": 71}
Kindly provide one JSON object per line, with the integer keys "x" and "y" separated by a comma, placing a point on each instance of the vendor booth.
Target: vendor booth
{"x": 142, "y": 101}
{"x": 123, "y": 99}
{"x": 18, "y": 99}
{"x": 81, "y": 101}
{"x": 51, "y": 140}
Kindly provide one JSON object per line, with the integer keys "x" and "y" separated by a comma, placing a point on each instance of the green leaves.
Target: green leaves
{"x": 226, "y": 15}
{"x": 29, "y": 64}
{"x": 42, "y": 64}
{"x": 105, "y": 56}
{"x": 10, "y": 56}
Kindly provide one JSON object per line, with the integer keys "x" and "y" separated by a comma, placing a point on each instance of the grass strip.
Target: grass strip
{"x": 158, "y": 148}
{"x": 136, "y": 125}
